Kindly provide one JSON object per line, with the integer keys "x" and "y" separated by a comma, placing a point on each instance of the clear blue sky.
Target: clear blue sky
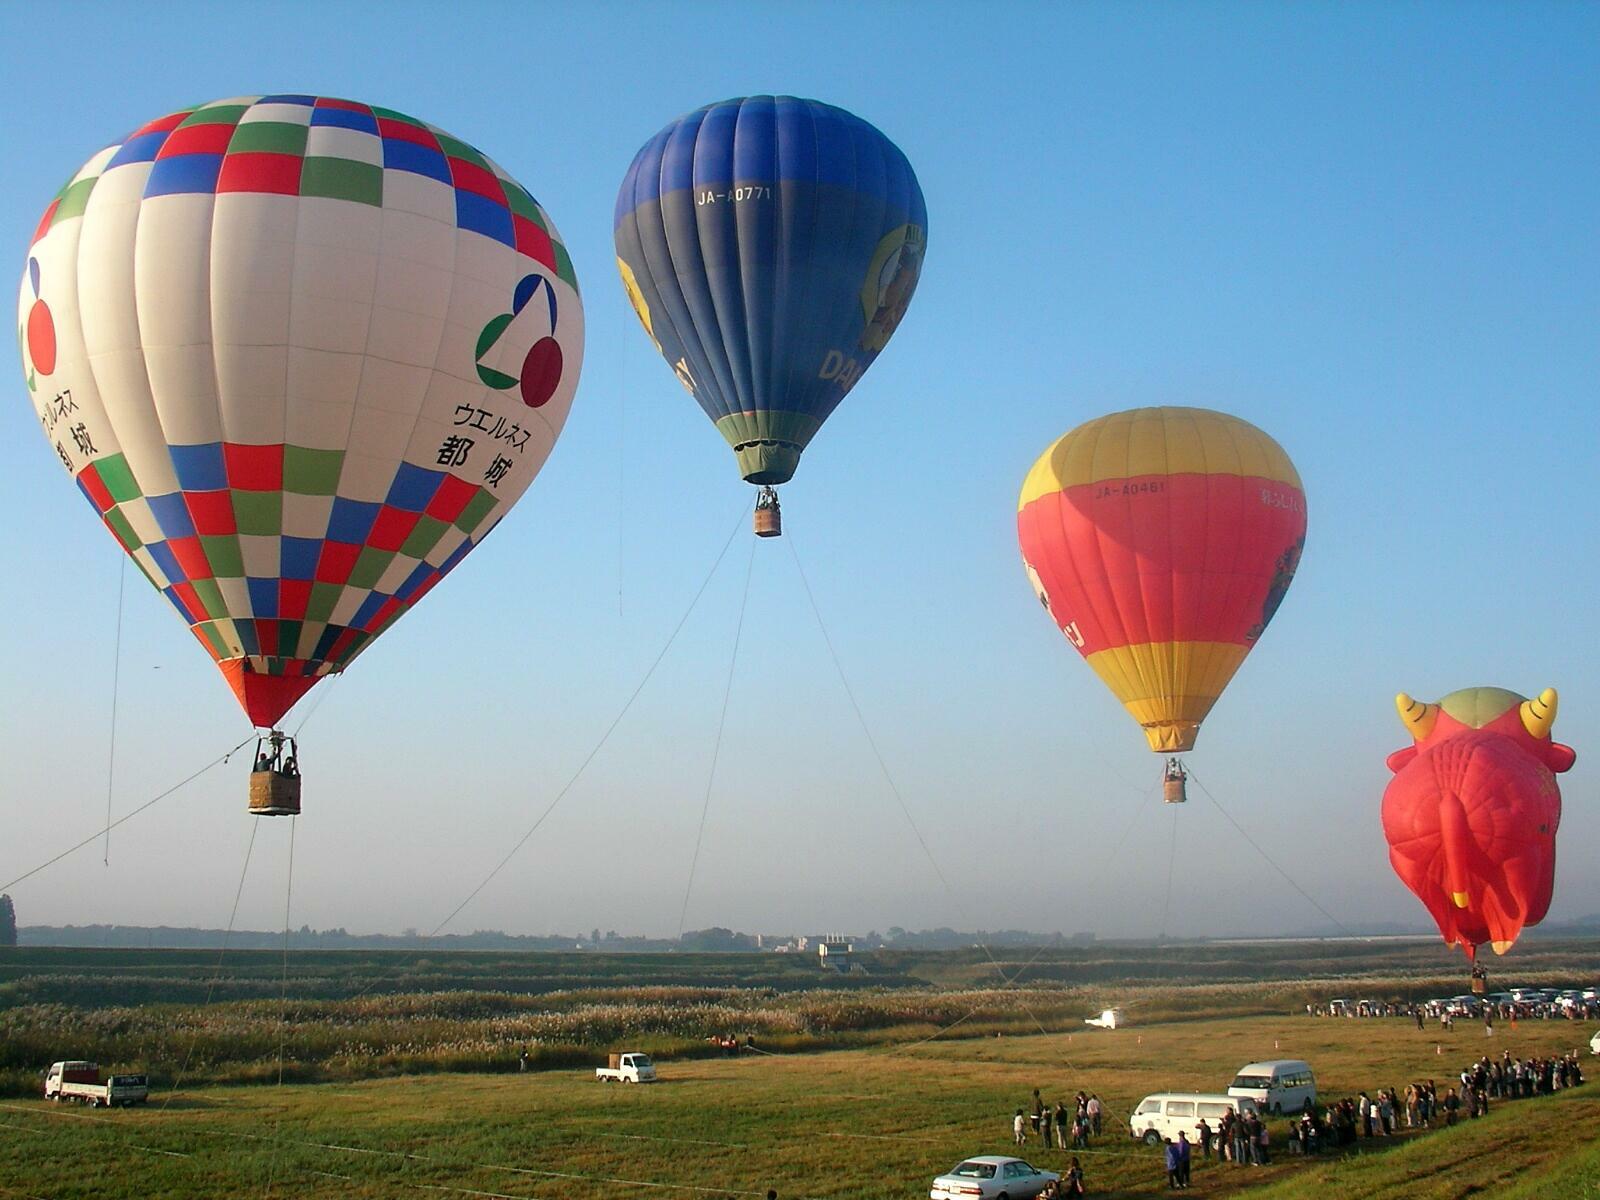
{"x": 1370, "y": 229}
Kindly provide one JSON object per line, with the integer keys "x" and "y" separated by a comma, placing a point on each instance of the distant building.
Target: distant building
{"x": 835, "y": 950}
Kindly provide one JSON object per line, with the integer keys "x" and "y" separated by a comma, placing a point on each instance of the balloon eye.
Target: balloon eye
{"x": 1544, "y": 829}
{"x": 541, "y": 372}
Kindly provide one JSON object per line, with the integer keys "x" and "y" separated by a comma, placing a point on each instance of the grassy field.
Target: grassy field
{"x": 845, "y": 1125}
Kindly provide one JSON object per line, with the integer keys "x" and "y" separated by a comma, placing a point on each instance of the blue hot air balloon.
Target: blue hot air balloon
{"x": 770, "y": 247}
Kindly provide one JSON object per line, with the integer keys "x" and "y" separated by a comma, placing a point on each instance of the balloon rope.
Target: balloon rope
{"x": 216, "y": 971}
{"x": 116, "y": 680}
{"x": 1172, "y": 861}
{"x": 622, "y": 469}
{"x": 716, "y": 749}
{"x": 883, "y": 766}
{"x": 98, "y": 833}
{"x": 322, "y": 694}
{"x": 1287, "y": 878}
{"x": 283, "y": 1005}
{"x": 610, "y": 729}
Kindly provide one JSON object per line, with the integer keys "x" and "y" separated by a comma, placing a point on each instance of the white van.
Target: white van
{"x": 1280, "y": 1086}
{"x": 1166, "y": 1114}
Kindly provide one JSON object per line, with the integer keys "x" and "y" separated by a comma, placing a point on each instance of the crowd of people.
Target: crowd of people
{"x": 1424, "y": 1104}
{"x": 1245, "y": 1138}
{"x": 1071, "y": 1127}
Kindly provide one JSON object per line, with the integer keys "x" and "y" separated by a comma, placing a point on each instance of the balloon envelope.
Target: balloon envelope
{"x": 769, "y": 247}
{"x": 1472, "y": 812}
{"x": 1161, "y": 540}
{"x": 301, "y": 354}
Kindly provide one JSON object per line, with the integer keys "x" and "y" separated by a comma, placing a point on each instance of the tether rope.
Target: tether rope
{"x": 1172, "y": 861}
{"x": 604, "y": 737}
{"x": 1287, "y": 878}
{"x": 582, "y": 767}
{"x": 96, "y": 835}
{"x": 116, "y": 682}
{"x": 216, "y": 972}
{"x": 716, "y": 749}
{"x": 888, "y": 776}
{"x": 283, "y": 1005}
{"x": 322, "y": 694}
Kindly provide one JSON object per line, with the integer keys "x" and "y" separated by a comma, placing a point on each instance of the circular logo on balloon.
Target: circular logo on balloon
{"x": 541, "y": 367}
{"x": 41, "y": 327}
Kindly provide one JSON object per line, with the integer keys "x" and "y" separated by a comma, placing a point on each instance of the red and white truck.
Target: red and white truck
{"x": 81, "y": 1081}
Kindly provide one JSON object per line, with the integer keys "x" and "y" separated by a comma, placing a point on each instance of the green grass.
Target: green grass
{"x": 848, "y": 1125}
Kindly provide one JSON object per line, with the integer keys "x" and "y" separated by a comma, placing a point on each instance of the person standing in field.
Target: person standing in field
{"x": 1172, "y": 1160}
{"x": 1093, "y": 1107}
{"x": 1185, "y": 1151}
{"x": 1072, "y": 1181}
{"x": 1038, "y": 1110}
{"x": 1044, "y": 1126}
{"x": 1019, "y": 1129}
{"x": 1238, "y": 1138}
{"x": 1061, "y": 1123}
{"x": 1204, "y": 1130}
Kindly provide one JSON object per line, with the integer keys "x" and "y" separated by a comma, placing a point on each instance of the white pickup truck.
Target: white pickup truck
{"x": 81, "y": 1081}
{"x": 627, "y": 1068}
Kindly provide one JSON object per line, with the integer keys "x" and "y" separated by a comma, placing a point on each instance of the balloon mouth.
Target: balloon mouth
{"x": 1171, "y": 737}
{"x": 767, "y": 463}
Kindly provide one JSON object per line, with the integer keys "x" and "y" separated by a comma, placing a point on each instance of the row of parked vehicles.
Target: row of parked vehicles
{"x": 1547, "y": 1002}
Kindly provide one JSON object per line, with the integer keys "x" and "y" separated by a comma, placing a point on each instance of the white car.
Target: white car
{"x": 1594, "y": 1044}
{"x": 991, "y": 1177}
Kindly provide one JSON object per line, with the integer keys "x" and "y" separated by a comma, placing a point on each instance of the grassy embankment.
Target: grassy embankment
{"x": 853, "y": 1125}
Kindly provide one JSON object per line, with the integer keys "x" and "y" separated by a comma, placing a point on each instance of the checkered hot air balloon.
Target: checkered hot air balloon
{"x": 301, "y": 354}
{"x": 1161, "y": 541}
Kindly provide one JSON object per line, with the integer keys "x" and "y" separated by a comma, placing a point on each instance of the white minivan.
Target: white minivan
{"x": 1166, "y": 1114}
{"x": 1280, "y": 1086}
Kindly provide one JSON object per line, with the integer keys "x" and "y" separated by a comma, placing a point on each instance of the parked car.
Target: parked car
{"x": 1594, "y": 1044}
{"x": 991, "y": 1177}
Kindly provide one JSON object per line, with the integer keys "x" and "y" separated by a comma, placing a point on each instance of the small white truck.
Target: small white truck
{"x": 627, "y": 1068}
{"x": 80, "y": 1081}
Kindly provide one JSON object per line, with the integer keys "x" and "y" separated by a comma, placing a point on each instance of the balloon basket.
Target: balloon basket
{"x": 768, "y": 516}
{"x": 1174, "y": 783}
{"x": 275, "y": 782}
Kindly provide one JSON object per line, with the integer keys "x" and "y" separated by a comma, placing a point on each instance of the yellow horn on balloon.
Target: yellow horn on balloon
{"x": 1416, "y": 716}
{"x": 1538, "y": 715}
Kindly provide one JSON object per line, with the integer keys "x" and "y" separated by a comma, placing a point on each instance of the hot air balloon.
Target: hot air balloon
{"x": 769, "y": 247}
{"x": 301, "y": 355}
{"x": 1162, "y": 540}
{"x": 1472, "y": 811}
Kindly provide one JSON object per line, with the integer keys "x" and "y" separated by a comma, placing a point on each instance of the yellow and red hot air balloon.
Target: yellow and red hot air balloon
{"x": 1162, "y": 541}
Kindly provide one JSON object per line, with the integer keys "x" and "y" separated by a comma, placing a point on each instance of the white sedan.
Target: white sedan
{"x": 991, "y": 1177}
